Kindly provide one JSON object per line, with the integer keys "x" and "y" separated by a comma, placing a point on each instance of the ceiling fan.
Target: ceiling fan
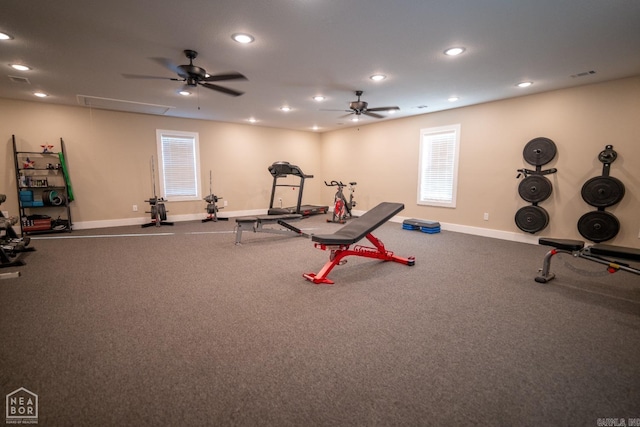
{"x": 361, "y": 107}
{"x": 193, "y": 75}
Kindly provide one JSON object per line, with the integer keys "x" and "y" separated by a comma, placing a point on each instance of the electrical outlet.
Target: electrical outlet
{"x": 225, "y": 203}
{"x": 135, "y": 208}
{"x": 486, "y": 216}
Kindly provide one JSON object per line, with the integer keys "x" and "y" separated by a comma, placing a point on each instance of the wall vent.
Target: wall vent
{"x": 17, "y": 79}
{"x": 122, "y": 105}
{"x": 585, "y": 73}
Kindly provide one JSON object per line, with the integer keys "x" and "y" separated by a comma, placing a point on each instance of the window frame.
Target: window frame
{"x": 194, "y": 136}
{"x": 426, "y": 146}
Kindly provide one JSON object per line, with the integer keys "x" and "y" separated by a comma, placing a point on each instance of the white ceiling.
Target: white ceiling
{"x": 302, "y": 48}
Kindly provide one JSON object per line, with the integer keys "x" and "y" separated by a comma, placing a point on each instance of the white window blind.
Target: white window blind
{"x": 438, "y": 174}
{"x": 178, "y": 165}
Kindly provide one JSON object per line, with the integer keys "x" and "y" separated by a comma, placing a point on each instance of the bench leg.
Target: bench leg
{"x": 334, "y": 259}
{"x": 545, "y": 276}
{"x": 337, "y": 254}
{"x": 240, "y": 228}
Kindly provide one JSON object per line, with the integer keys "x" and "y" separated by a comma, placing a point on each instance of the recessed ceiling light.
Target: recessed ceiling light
{"x": 453, "y": 98}
{"x": 40, "y": 94}
{"x": 251, "y": 120}
{"x": 454, "y": 51}
{"x": 355, "y": 119}
{"x": 243, "y": 38}
{"x": 19, "y": 67}
{"x": 285, "y": 108}
{"x": 318, "y": 98}
{"x": 184, "y": 93}
{"x": 5, "y": 36}
{"x": 524, "y": 84}
{"x": 315, "y": 128}
{"x": 378, "y": 77}
{"x": 391, "y": 111}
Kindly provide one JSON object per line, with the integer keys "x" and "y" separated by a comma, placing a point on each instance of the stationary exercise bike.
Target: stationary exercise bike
{"x": 342, "y": 207}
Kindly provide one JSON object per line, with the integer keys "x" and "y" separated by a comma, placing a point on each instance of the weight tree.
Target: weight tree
{"x": 158, "y": 211}
{"x": 535, "y": 187}
{"x": 601, "y": 192}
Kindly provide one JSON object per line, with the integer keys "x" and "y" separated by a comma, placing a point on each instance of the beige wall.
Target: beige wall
{"x": 383, "y": 157}
{"x": 109, "y": 155}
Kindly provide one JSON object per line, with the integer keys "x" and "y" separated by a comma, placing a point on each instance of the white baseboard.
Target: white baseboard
{"x": 85, "y": 225}
{"x": 466, "y": 229}
{"x": 476, "y": 231}
{"x": 479, "y": 231}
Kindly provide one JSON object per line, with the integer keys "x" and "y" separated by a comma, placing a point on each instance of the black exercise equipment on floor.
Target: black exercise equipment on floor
{"x": 340, "y": 241}
{"x": 429, "y": 227}
{"x": 282, "y": 170}
{"x": 535, "y": 187}
{"x": 603, "y": 254}
{"x": 158, "y": 211}
{"x": 212, "y": 207}
{"x": 257, "y": 223}
{"x": 11, "y": 245}
{"x": 601, "y": 192}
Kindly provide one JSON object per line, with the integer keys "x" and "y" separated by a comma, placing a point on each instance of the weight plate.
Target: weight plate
{"x": 162, "y": 212}
{"x": 532, "y": 219}
{"x": 539, "y": 151}
{"x": 603, "y": 191}
{"x": 608, "y": 155}
{"x": 535, "y": 188}
{"x": 598, "y": 226}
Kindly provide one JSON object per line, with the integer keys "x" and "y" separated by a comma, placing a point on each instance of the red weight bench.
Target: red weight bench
{"x": 339, "y": 243}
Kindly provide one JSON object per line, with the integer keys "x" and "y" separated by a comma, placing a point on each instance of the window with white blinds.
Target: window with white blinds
{"x": 438, "y": 174}
{"x": 178, "y": 165}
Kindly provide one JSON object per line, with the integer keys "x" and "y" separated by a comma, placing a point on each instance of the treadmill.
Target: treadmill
{"x": 282, "y": 170}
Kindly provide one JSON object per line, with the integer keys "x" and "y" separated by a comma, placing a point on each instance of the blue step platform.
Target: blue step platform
{"x": 430, "y": 227}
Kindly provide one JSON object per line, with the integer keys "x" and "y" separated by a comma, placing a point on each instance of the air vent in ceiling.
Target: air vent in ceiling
{"x": 583, "y": 74}
{"x": 121, "y": 105}
{"x": 17, "y": 79}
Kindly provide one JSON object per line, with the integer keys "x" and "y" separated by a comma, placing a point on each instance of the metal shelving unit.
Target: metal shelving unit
{"x": 44, "y": 192}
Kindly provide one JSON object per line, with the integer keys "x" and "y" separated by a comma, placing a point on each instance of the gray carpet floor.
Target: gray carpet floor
{"x": 177, "y": 326}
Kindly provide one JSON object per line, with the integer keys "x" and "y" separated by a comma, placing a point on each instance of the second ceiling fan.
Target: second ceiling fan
{"x": 361, "y": 107}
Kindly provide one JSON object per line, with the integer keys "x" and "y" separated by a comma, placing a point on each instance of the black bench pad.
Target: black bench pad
{"x": 358, "y": 228}
{"x": 268, "y": 218}
{"x": 615, "y": 251}
{"x": 564, "y": 244}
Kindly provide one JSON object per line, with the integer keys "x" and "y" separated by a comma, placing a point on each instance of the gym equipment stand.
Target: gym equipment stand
{"x": 603, "y": 254}
{"x": 158, "y": 211}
